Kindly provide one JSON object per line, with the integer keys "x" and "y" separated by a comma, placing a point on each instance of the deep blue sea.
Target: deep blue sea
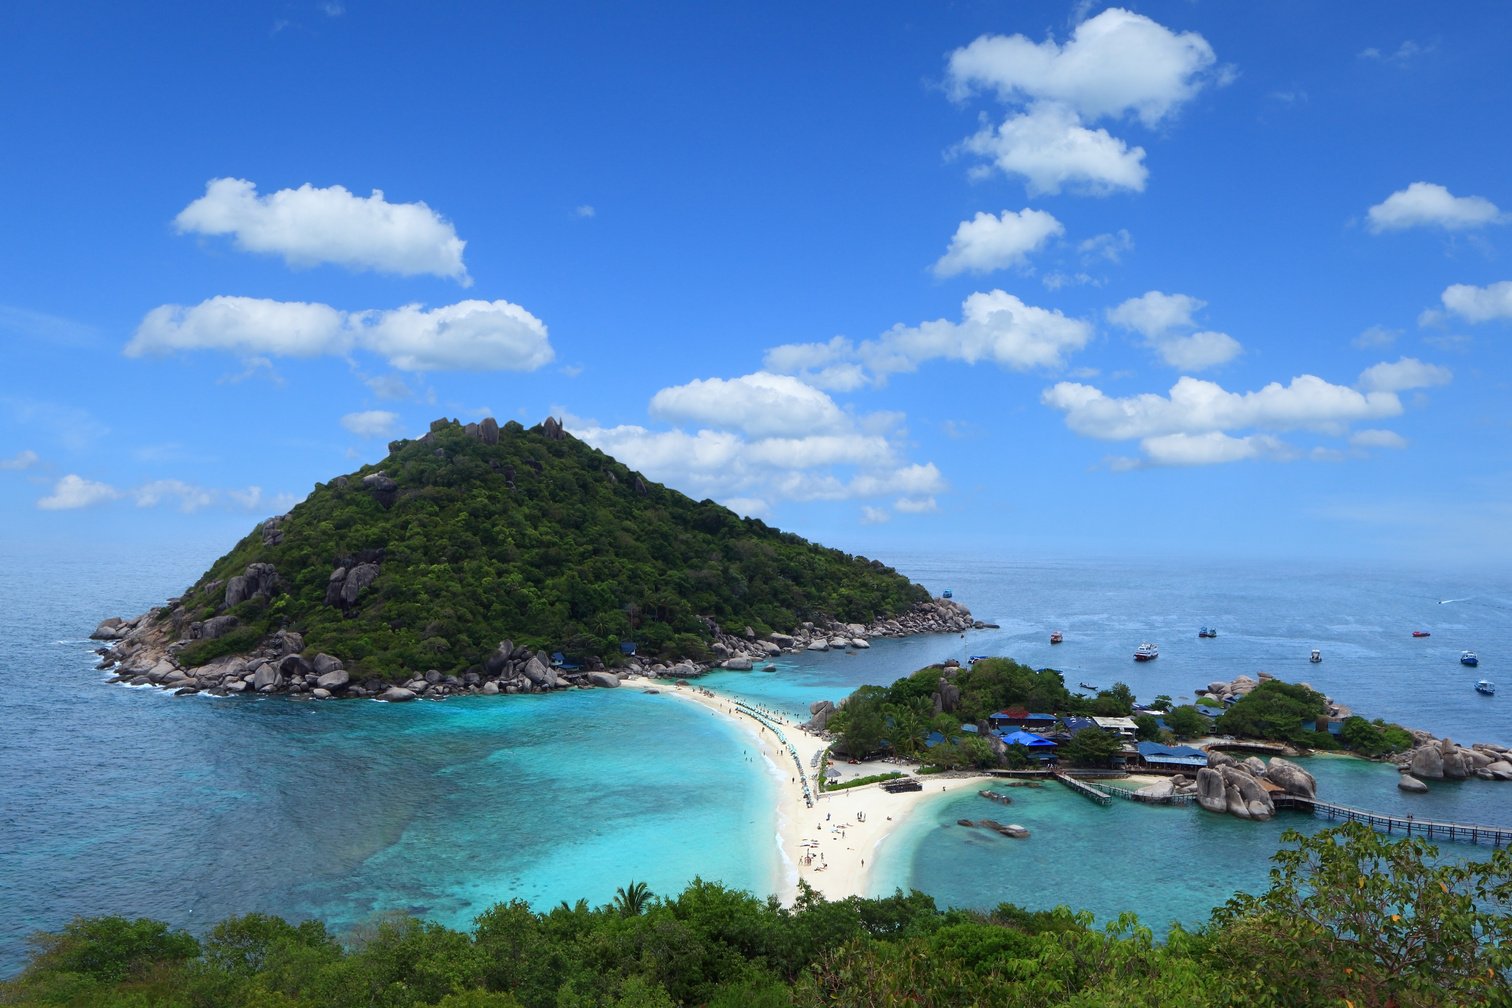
{"x": 131, "y": 801}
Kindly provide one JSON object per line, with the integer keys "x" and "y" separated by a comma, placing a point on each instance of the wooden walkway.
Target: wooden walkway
{"x": 1085, "y": 790}
{"x": 1431, "y": 829}
{"x": 1125, "y": 793}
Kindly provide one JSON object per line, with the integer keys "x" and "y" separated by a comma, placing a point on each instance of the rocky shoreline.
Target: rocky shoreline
{"x": 144, "y": 652}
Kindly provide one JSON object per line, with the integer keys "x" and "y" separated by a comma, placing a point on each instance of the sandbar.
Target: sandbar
{"x": 828, "y": 839}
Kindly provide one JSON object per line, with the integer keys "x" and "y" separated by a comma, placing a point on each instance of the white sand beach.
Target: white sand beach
{"x": 830, "y": 840}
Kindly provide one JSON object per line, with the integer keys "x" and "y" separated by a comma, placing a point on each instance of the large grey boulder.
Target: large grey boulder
{"x": 1457, "y": 765}
{"x": 294, "y": 667}
{"x": 539, "y": 673}
{"x": 323, "y": 663}
{"x": 607, "y": 680}
{"x": 112, "y": 629}
{"x": 1407, "y": 782}
{"x": 383, "y": 488}
{"x": 736, "y": 664}
{"x": 335, "y": 681}
{"x": 396, "y": 694}
{"x": 356, "y": 580}
{"x": 216, "y": 626}
{"x": 1427, "y": 763}
{"x": 1210, "y": 790}
{"x": 818, "y": 645}
{"x": 266, "y": 677}
{"x": 1291, "y": 778}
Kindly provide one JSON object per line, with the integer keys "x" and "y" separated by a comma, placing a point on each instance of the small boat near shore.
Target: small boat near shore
{"x": 1316, "y": 656}
{"x": 1486, "y": 687}
{"x": 1056, "y": 636}
{"x": 1421, "y": 633}
{"x": 1469, "y": 658}
{"x": 1087, "y": 685}
{"x": 1208, "y": 631}
{"x": 1146, "y": 652}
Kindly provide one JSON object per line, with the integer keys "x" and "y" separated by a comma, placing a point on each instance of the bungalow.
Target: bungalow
{"x": 1040, "y": 748}
{"x": 1019, "y": 717}
{"x": 1121, "y": 726}
{"x": 1170, "y": 757}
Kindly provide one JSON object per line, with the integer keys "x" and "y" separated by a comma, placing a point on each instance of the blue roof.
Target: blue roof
{"x": 1024, "y": 738}
{"x": 1169, "y": 753}
{"x": 1076, "y": 724}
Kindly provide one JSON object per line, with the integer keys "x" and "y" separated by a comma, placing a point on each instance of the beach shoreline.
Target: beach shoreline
{"x": 827, "y": 839}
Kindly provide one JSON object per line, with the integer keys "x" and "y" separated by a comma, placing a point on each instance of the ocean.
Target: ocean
{"x": 127, "y": 801}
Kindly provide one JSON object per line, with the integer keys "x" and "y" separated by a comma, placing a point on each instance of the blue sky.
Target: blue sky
{"x": 1165, "y": 279}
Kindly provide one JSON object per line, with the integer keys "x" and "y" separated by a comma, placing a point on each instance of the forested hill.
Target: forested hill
{"x": 472, "y": 534}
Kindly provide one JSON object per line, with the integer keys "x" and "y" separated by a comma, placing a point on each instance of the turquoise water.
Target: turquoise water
{"x": 131, "y": 801}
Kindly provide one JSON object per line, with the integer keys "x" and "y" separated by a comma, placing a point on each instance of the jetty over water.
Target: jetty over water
{"x": 1431, "y": 829}
{"x": 1082, "y": 788}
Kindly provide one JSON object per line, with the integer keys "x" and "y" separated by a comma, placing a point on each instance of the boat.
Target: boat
{"x": 1087, "y": 685}
{"x": 1486, "y": 686}
{"x": 1469, "y": 658}
{"x": 1146, "y": 652}
{"x": 1316, "y": 656}
{"x": 1056, "y": 637}
{"x": 1421, "y": 633}
{"x": 1208, "y": 631}
{"x": 947, "y": 593}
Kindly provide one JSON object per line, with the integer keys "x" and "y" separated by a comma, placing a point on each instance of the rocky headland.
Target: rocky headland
{"x": 145, "y": 652}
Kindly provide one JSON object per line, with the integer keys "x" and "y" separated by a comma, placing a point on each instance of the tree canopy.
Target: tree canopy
{"x": 534, "y": 537}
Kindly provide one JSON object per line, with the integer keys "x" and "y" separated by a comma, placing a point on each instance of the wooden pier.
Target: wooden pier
{"x": 1429, "y": 829}
{"x": 1125, "y": 793}
{"x": 1085, "y": 790}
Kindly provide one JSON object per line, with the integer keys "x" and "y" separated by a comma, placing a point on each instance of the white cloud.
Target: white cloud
{"x": 986, "y": 243}
{"x": 915, "y": 505}
{"x": 309, "y": 226}
{"x": 1155, "y": 313}
{"x": 1478, "y": 304}
{"x": 1404, "y": 54}
{"x": 371, "y": 423}
{"x": 1198, "y": 407}
{"x": 1052, "y": 150}
{"x": 190, "y": 498}
{"x": 1210, "y": 448}
{"x": 1426, "y": 204}
{"x": 1115, "y": 63}
{"x": 760, "y": 404}
{"x": 21, "y": 460}
{"x": 1198, "y": 351}
{"x": 1110, "y": 247}
{"x": 467, "y": 336}
{"x": 995, "y": 327}
{"x": 874, "y": 515}
{"x": 73, "y": 491}
{"x": 585, "y": 210}
{"x": 1398, "y": 376}
{"x": 1377, "y": 439}
{"x": 1159, "y": 317}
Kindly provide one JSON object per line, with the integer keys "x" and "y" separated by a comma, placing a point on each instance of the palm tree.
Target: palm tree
{"x": 630, "y": 900}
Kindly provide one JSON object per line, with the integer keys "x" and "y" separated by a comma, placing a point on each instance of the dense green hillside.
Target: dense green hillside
{"x": 474, "y": 534}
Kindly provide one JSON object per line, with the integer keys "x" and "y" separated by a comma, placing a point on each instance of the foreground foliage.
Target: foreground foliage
{"x": 539, "y": 539}
{"x": 1350, "y": 919}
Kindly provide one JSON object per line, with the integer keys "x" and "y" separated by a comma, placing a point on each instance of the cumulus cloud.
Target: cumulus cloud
{"x": 73, "y": 491}
{"x": 1377, "y": 439}
{"x": 190, "y": 498}
{"x": 874, "y": 515}
{"x": 309, "y": 226}
{"x": 1163, "y": 318}
{"x": 1201, "y": 423}
{"x": 760, "y": 404}
{"x": 995, "y": 327}
{"x": 467, "y": 336}
{"x": 1115, "y": 65}
{"x": 1426, "y": 204}
{"x": 1407, "y": 373}
{"x": 1478, "y": 304}
{"x": 371, "y": 423}
{"x": 915, "y": 505}
{"x": 986, "y": 243}
{"x": 1052, "y": 150}
{"x": 21, "y": 460}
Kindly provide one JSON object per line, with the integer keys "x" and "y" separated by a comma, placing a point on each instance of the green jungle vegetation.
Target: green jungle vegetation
{"x": 537, "y": 538}
{"x": 900, "y": 717}
{"x": 1350, "y": 919}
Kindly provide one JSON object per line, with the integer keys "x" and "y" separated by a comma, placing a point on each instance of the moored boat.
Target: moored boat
{"x": 1146, "y": 652}
{"x": 1056, "y": 637}
{"x": 1087, "y": 685}
{"x": 1316, "y": 656}
{"x": 947, "y": 593}
{"x": 1421, "y": 633}
{"x": 1486, "y": 686}
{"x": 1469, "y": 658}
{"x": 1208, "y": 631}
